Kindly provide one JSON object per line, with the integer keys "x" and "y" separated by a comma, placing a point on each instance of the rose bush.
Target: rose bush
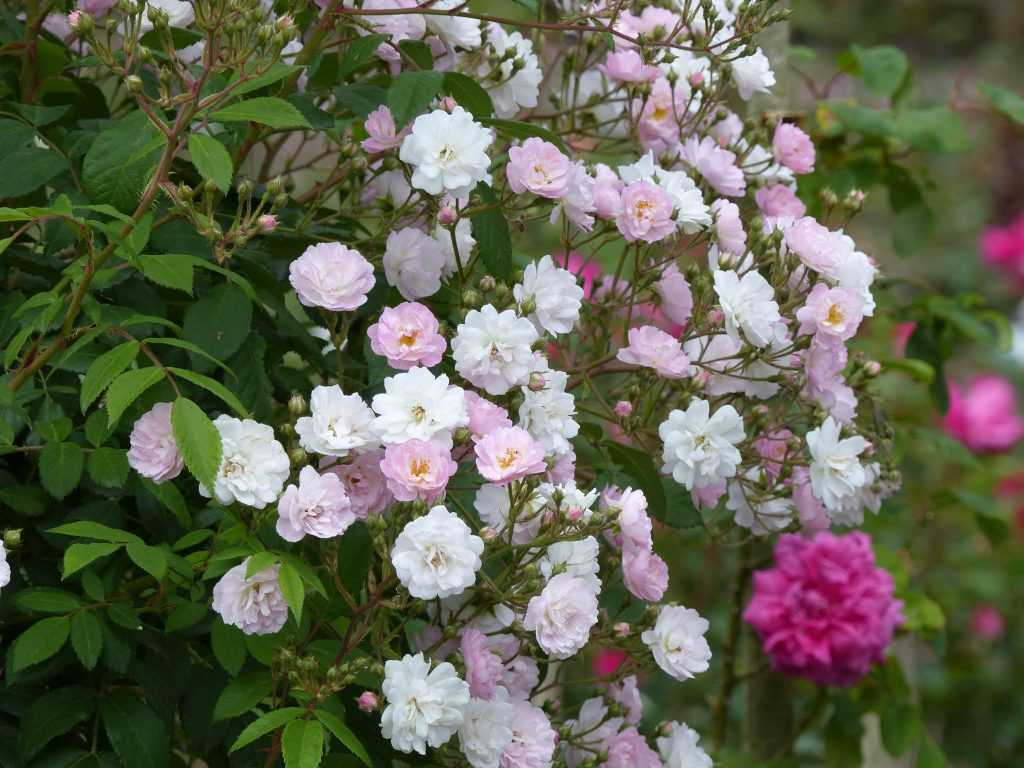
{"x": 356, "y": 352}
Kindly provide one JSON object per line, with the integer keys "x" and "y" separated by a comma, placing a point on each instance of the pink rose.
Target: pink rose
{"x": 779, "y": 201}
{"x": 987, "y": 622}
{"x": 561, "y": 615}
{"x": 984, "y": 418}
{"x": 834, "y": 312}
{"x": 539, "y": 167}
{"x": 653, "y": 348}
{"x": 644, "y": 573}
{"x": 628, "y": 67}
{"x": 484, "y": 416}
{"x": 607, "y": 192}
{"x": 628, "y": 749}
{"x": 716, "y": 165}
{"x": 507, "y": 454}
{"x": 793, "y": 148}
{"x": 1003, "y": 247}
{"x": 634, "y": 522}
{"x": 407, "y": 335}
{"x": 417, "y": 469}
{"x": 676, "y": 296}
{"x": 365, "y": 485}
{"x": 585, "y": 269}
{"x": 331, "y": 276}
{"x": 658, "y": 127}
{"x": 811, "y": 512}
{"x": 380, "y": 126}
{"x": 646, "y": 213}
{"x": 729, "y": 228}
{"x": 152, "y": 451}
{"x": 318, "y": 506}
{"x": 483, "y": 666}
{"x": 818, "y": 247}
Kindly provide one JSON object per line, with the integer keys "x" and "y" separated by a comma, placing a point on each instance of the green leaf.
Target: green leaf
{"x": 219, "y": 322}
{"x": 343, "y": 734}
{"x": 922, "y": 614}
{"x": 884, "y": 68}
{"x": 411, "y": 93}
{"x": 197, "y": 439}
{"x": 357, "y": 53}
{"x": 40, "y": 115}
{"x": 228, "y": 646}
{"x": 39, "y": 642}
{"x": 168, "y": 495}
{"x": 122, "y": 160}
{"x": 899, "y": 725}
{"x": 26, "y": 169}
{"x": 86, "y": 638}
{"x": 185, "y": 615}
{"x": 639, "y": 466}
{"x": 51, "y": 715}
{"x": 278, "y": 71}
{"x": 167, "y": 270}
{"x": 264, "y": 724}
{"x": 1004, "y": 100}
{"x": 932, "y": 129}
{"x": 361, "y": 98}
{"x": 138, "y": 736}
{"x": 929, "y": 755}
{"x": 519, "y": 130}
{"x": 46, "y": 600}
{"x": 152, "y": 560}
{"x": 214, "y": 386}
{"x": 77, "y": 556}
{"x": 108, "y": 467}
{"x": 493, "y": 238}
{"x": 188, "y": 346}
{"x": 303, "y": 744}
{"x": 211, "y": 159}
{"x": 242, "y": 694}
{"x": 86, "y": 529}
{"x": 105, "y": 369}
{"x": 127, "y": 388}
{"x": 265, "y": 110}
{"x": 26, "y": 500}
{"x": 60, "y": 468}
{"x": 469, "y": 94}
{"x": 293, "y": 590}
{"x": 125, "y": 616}
{"x": 419, "y": 52}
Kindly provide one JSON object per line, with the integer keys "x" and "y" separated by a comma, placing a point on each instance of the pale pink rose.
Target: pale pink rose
{"x": 634, "y": 522}
{"x": 577, "y": 204}
{"x": 483, "y": 666}
{"x": 414, "y": 263}
{"x": 779, "y": 201}
{"x": 628, "y": 67}
{"x": 417, "y": 469}
{"x": 985, "y": 417}
{"x": 716, "y": 165}
{"x": 398, "y": 27}
{"x": 646, "y": 213}
{"x": 564, "y": 468}
{"x": 331, "y": 276}
{"x": 508, "y": 453}
{"x": 407, "y": 335}
{"x": 365, "y": 485}
{"x": 96, "y": 8}
{"x": 318, "y": 506}
{"x": 729, "y": 228}
{"x": 653, "y": 23}
{"x": 627, "y": 694}
{"x": 152, "y": 451}
{"x": 520, "y": 676}
{"x": 561, "y": 615}
{"x": 824, "y": 362}
{"x": 484, "y": 416}
{"x": 772, "y": 448}
{"x": 653, "y": 348}
{"x": 728, "y": 130}
{"x": 793, "y": 148}
{"x": 533, "y": 739}
{"x": 708, "y": 496}
{"x": 254, "y": 604}
{"x": 658, "y": 127}
{"x": 539, "y": 167}
{"x": 607, "y": 192}
{"x": 644, "y": 573}
{"x": 380, "y": 126}
{"x": 367, "y": 701}
{"x": 676, "y": 296}
{"x": 811, "y": 512}
{"x": 628, "y": 749}
{"x": 818, "y": 247}
{"x": 834, "y": 312}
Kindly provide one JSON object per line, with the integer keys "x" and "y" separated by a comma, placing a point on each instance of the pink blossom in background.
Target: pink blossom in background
{"x": 407, "y": 335}
{"x": 1003, "y": 247}
{"x": 586, "y": 270}
{"x": 152, "y": 451}
{"x": 607, "y": 192}
{"x": 779, "y": 201}
{"x": 793, "y": 148}
{"x": 539, "y": 167}
{"x": 901, "y": 334}
{"x": 628, "y": 67}
{"x": 607, "y": 661}
{"x": 417, "y": 469}
{"x": 653, "y": 348}
{"x": 483, "y": 666}
{"x": 729, "y": 228}
{"x": 380, "y": 126}
{"x": 825, "y": 611}
{"x": 646, "y": 213}
{"x": 507, "y": 454}
{"x": 365, "y": 484}
{"x": 985, "y": 416}
{"x": 676, "y": 296}
{"x": 987, "y": 622}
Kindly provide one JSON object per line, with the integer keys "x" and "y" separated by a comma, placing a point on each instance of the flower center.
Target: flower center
{"x": 419, "y": 413}
{"x": 233, "y": 467}
{"x": 835, "y": 315}
{"x": 446, "y": 155}
{"x": 660, "y": 112}
{"x": 408, "y": 338}
{"x": 418, "y": 468}
{"x": 436, "y": 558}
{"x": 508, "y": 458}
{"x": 643, "y": 209}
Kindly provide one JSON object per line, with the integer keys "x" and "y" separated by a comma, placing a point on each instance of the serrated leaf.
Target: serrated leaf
{"x": 242, "y": 694}
{"x": 139, "y": 737}
{"x": 86, "y": 638}
{"x": 60, "y": 468}
{"x": 152, "y": 560}
{"x": 411, "y": 93}
{"x": 77, "y": 556}
{"x": 127, "y": 388}
{"x": 228, "y": 646}
{"x": 303, "y": 744}
{"x": 214, "y": 386}
{"x": 108, "y": 467}
{"x": 357, "y": 53}
{"x": 51, "y": 715}
{"x": 87, "y": 529}
{"x": 211, "y": 159}
{"x": 197, "y": 439}
{"x": 167, "y": 270}
{"x": 293, "y": 590}
{"x": 39, "y": 642}
{"x": 265, "y": 724}
{"x": 219, "y": 322}
{"x": 105, "y": 369}
{"x": 265, "y": 110}
{"x": 121, "y": 161}
{"x": 278, "y": 71}
{"x": 343, "y": 734}
{"x": 26, "y": 169}
{"x": 46, "y": 600}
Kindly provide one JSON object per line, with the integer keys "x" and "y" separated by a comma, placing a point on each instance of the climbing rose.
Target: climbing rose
{"x": 153, "y": 452}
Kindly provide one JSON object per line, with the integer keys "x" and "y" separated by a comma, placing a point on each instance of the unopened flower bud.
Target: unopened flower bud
{"x": 716, "y": 317}
{"x": 623, "y": 408}
{"x": 297, "y": 456}
{"x": 244, "y": 188}
{"x": 461, "y": 436}
{"x": 297, "y": 405}
{"x": 367, "y": 702}
{"x": 872, "y": 368}
{"x": 487, "y": 283}
{"x": 696, "y": 78}
{"x": 267, "y": 223}
{"x": 280, "y": 201}
{"x": 621, "y": 629}
{"x": 275, "y": 186}
{"x": 134, "y": 84}
{"x": 447, "y": 215}
{"x": 536, "y": 381}
{"x": 488, "y": 533}
{"x": 829, "y": 197}
{"x": 12, "y": 538}
{"x": 470, "y": 298}
{"x": 528, "y": 306}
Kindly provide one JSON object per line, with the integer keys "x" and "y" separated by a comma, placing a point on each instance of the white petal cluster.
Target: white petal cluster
{"x": 761, "y": 516}
{"x": 680, "y": 749}
{"x": 493, "y": 350}
{"x": 425, "y": 706}
{"x": 448, "y": 151}
{"x": 677, "y": 642}
{"x": 437, "y": 555}
{"x": 337, "y": 424}
{"x": 837, "y": 475}
{"x": 454, "y": 31}
{"x": 700, "y": 448}
{"x": 487, "y": 730}
{"x": 5, "y": 567}
{"x": 577, "y": 558}
{"x": 549, "y": 414}
{"x": 753, "y": 74}
{"x": 417, "y": 404}
{"x": 516, "y": 87}
{"x": 749, "y": 306}
{"x": 556, "y": 295}
{"x": 253, "y": 466}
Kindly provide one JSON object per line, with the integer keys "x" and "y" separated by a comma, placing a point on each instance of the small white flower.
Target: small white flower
{"x": 753, "y": 74}
{"x": 556, "y": 294}
{"x": 448, "y": 152}
{"x": 486, "y": 730}
{"x": 463, "y": 239}
{"x": 5, "y": 567}
{"x": 677, "y": 642}
{"x": 425, "y": 707}
{"x": 761, "y": 516}
{"x": 455, "y": 31}
{"x": 413, "y": 263}
{"x": 680, "y": 749}
{"x": 418, "y": 404}
{"x": 493, "y": 504}
{"x": 492, "y": 349}
{"x": 253, "y": 467}
{"x": 339, "y": 423}
{"x": 591, "y": 731}
{"x": 511, "y": 88}
{"x": 573, "y": 504}
{"x": 749, "y": 306}
{"x": 836, "y": 472}
{"x": 437, "y": 555}
{"x": 548, "y": 415}
{"x": 577, "y": 558}
{"x": 857, "y": 273}
{"x": 700, "y": 449}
